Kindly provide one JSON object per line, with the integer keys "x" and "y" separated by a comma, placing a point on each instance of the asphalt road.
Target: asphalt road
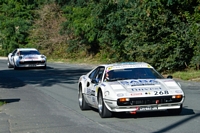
{"x": 46, "y": 101}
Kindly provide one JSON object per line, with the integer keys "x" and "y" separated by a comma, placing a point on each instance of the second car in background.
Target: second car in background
{"x": 26, "y": 57}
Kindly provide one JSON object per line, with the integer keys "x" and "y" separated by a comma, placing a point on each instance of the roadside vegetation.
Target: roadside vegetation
{"x": 2, "y": 103}
{"x": 163, "y": 33}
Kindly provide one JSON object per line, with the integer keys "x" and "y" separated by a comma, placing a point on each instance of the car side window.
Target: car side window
{"x": 92, "y": 75}
{"x": 97, "y": 73}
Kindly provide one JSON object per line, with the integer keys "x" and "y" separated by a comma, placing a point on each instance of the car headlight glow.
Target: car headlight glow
{"x": 124, "y": 99}
{"x": 42, "y": 56}
{"x": 177, "y": 96}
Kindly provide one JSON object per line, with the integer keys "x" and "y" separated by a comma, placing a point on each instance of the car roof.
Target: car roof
{"x": 26, "y": 49}
{"x": 128, "y": 65}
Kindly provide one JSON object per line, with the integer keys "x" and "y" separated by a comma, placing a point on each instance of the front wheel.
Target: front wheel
{"x": 15, "y": 67}
{"x": 175, "y": 111}
{"x": 103, "y": 111}
{"x": 81, "y": 100}
{"x": 9, "y": 65}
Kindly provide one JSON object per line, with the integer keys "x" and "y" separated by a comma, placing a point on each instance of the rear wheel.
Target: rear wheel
{"x": 81, "y": 100}
{"x": 103, "y": 111}
{"x": 175, "y": 111}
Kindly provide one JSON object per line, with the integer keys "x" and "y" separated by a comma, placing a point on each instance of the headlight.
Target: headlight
{"x": 106, "y": 93}
{"x": 42, "y": 56}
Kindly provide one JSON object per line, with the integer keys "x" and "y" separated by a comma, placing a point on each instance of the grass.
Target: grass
{"x": 191, "y": 75}
{"x": 2, "y": 103}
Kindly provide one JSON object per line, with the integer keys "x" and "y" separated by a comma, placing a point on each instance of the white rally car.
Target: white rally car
{"x": 130, "y": 87}
{"x": 26, "y": 57}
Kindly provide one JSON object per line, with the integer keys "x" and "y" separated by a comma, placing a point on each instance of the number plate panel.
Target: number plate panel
{"x": 144, "y": 108}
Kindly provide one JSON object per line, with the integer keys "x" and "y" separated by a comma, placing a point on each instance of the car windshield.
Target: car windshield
{"x": 134, "y": 73}
{"x": 29, "y": 52}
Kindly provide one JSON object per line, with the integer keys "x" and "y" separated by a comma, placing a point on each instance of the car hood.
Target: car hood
{"x": 149, "y": 87}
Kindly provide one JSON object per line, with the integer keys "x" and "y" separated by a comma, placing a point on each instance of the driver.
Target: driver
{"x": 106, "y": 77}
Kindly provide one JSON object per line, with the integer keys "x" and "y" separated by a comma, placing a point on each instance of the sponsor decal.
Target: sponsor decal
{"x": 147, "y": 89}
{"x": 93, "y": 99}
{"x": 103, "y": 85}
{"x": 90, "y": 92}
{"x": 31, "y": 58}
{"x": 120, "y": 95}
{"x": 147, "y": 93}
{"x": 170, "y": 83}
{"x": 140, "y": 82}
{"x": 136, "y": 94}
{"x": 117, "y": 87}
{"x": 179, "y": 91}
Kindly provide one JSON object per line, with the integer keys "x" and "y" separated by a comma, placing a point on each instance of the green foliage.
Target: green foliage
{"x": 157, "y": 32}
{"x": 164, "y": 33}
{"x": 15, "y": 18}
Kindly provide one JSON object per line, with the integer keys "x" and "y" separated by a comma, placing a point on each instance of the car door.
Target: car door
{"x": 95, "y": 78}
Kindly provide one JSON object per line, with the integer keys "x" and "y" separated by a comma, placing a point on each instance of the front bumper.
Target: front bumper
{"x": 144, "y": 104}
{"x": 39, "y": 63}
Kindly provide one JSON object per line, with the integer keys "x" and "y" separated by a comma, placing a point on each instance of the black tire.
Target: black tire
{"x": 103, "y": 111}
{"x": 175, "y": 111}
{"x": 44, "y": 67}
{"x": 81, "y": 100}
{"x": 15, "y": 67}
{"x": 9, "y": 65}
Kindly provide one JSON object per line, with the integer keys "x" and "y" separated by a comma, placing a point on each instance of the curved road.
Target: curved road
{"x": 46, "y": 101}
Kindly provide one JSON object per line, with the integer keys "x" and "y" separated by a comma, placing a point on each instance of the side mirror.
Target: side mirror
{"x": 11, "y": 54}
{"x": 170, "y": 77}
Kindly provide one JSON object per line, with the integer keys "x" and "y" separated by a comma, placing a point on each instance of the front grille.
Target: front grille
{"x": 31, "y": 62}
{"x": 149, "y": 100}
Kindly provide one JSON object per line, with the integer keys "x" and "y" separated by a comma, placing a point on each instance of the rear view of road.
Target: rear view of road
{"x": 46, "y": 101}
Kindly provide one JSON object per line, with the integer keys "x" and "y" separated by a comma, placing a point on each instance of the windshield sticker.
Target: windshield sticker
{"x": 108, "y": 69}
{"x": 131, "y": 66}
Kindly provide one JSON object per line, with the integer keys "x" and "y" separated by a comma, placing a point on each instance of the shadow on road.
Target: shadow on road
{"x": 10, "y": 100}
{"x": 12, "y": 79}
{"x": 140, "y": 115}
